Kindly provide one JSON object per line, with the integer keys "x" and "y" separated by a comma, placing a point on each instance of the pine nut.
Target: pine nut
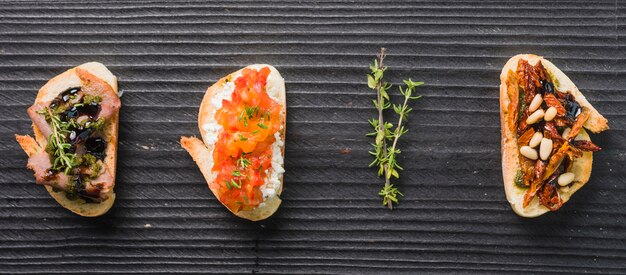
{"x": 535, "y": 140}
{"x": 535, "y": 117}
{"x": 577, "y": 137}
{"x": 550, "y": 114}
{"x": 545, "y": 149}
{"x": 566, "y": 178}
{"x": 534, "y": 105}
{"x": 566, "y": 132}
{"x": 528, "y": 152}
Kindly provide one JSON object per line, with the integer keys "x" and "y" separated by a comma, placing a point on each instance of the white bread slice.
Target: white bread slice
{"x": 48, "y": 92}
{"x": 200, "y": 151}
{"x": 510, "y": 151}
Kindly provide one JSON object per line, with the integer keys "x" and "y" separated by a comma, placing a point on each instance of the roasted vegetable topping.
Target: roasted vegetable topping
{"x": 543, "y": 110}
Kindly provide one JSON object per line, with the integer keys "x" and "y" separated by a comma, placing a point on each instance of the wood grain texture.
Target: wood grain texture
{"x": 454, "y": 217}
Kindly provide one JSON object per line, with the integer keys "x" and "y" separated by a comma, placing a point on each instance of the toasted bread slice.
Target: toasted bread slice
{"x": 510, "y": 150}
{"x": 201, "y": 151}
{"x": 92, "y": 71}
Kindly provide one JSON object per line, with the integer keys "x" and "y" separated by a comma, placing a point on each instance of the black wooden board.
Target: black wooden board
{"x": 454, "y": 217}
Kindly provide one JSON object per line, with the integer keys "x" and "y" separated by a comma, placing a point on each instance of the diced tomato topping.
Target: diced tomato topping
{"x": 243, "y": 151}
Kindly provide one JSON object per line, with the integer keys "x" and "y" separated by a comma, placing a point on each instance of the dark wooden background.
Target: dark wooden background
{"x": 454, "y": 217}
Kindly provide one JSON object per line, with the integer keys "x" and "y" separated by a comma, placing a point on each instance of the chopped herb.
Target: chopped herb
{"x": 252, "y": 111}
{"x": 236, "y": 173}
{"x": 98, "y": 125}
{"x": 89, "y": 159}
{"x": 242, "y": 138}
{"x": 263, "y": 126}
{"x": 243, "y": 162}
{"x": 88, "y": 99}
{"x": 244, "y": 118}
{"x": 521, "y": 103}
{"x": 232, "y": 184}
{"x": 519, "y": 179}
{"x": 255, "y": 132}
{"x": 95, "y": 170}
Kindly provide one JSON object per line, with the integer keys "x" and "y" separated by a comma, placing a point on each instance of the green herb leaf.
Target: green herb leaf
{"x": 243, "y": 162}
{"x": 385, "y": 148}
{"x": 371, "y": 82}
{"x": 62, "y": 160}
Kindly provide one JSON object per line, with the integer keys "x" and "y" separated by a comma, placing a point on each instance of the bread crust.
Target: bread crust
{"x": 199, "y": 149}
{"x": 510, "y": 151}
{"x": 51, "y": 90}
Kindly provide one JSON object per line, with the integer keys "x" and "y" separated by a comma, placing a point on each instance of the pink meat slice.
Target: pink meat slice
{"x": 40, "y": 162}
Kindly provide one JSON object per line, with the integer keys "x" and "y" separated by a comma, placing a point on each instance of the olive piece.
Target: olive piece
{"x": 80, "y": 136}
{"x": 71, "y": 113}
{"x": 573, "y": 109}
{"x": 73, "y": 91}
{"x": 55, "y": 103}
{"x": 76, "y": 188}
{"x": 547, "y": 86}
{"x": 96, "y": 146}
{"x": 92, "y": 109}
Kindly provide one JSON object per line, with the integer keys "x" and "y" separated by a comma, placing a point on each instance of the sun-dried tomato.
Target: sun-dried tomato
{"x": 525, "y": 138}
{"x": 580, "y": 121}
{"x": 513, "y": 94}
{"x": 552, "y": 101}
{"x": 561, "y": 122}
{"x": 555, "y": 160}
{"x": 586, "y": 145}
{"x": 540, "y": 168}
{"x": 549, "y": 196}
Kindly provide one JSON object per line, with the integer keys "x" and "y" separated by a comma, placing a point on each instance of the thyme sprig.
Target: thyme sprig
{"x": 386, "y": 133}
{"x": 58, "y": 145}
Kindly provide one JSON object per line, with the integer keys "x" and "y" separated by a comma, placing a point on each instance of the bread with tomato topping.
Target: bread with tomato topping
{"x": 549, "y": 188}
{"x": 202, "y": 150}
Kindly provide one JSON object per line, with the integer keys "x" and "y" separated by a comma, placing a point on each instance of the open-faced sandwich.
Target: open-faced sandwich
{"x": 546, "y": 152}
{"x": 242, "y": 122}
{"x": 75, "y": 122}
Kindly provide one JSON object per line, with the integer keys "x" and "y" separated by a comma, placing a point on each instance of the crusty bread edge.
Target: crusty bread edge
{"x": 52, "y": 89}
{"x": 510, "y": 151}
{"x": 198, "y": 150}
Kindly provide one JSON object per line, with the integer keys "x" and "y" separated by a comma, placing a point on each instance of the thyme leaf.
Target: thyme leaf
{"x": 386, "y": 135}
{"x": 243, "y": 162}
{"x": 58, "y": 144}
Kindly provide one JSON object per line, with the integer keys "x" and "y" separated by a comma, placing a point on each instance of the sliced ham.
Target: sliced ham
{"x": 40, "y": 164}
{"x": 100, "y": 186}
{"x": 93, "y": 85}
{"x": 38, "y": 119}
